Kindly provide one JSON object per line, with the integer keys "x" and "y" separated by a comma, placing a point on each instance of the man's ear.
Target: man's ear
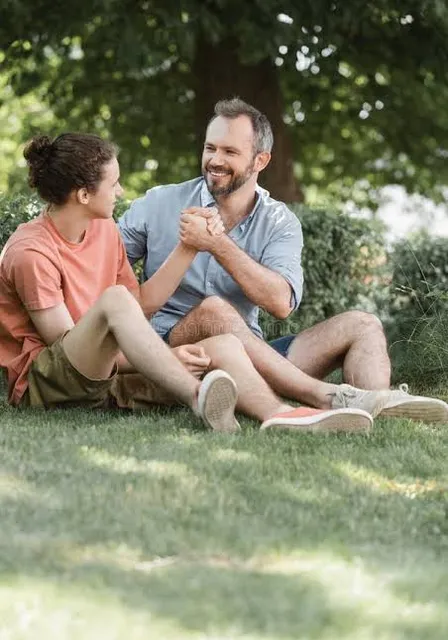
{"x": 82, "y": 196}
{"x": 262, "y": 160}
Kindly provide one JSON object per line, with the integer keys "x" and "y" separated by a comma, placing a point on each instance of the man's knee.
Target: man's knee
{"x": 363, "y": 321}
{"x": 214, "y": 305}
{"x": 214, "y": 316}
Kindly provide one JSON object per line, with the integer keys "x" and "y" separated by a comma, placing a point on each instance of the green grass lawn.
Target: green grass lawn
{"x": 145, "y": 527}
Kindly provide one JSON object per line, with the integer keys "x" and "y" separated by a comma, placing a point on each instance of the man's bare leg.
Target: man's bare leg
{"x": 116, "y": 323}
{"x": 353, "y": 341}
{"x": 214, "y": 316}
{"x": 255, "y": 397}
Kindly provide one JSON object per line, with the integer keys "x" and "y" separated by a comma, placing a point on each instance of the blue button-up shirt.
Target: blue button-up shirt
{"x": 271, "y": 235}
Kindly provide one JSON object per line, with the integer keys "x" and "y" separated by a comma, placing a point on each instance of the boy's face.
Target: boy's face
{"x": 102, "y": 203}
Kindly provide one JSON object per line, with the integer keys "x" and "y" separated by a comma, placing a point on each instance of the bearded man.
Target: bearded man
{"x": 257, "y": 263}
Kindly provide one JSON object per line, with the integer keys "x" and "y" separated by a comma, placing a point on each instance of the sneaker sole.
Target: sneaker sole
{"x": 340, "y": 420}
{"x": 217, "y": 400}
{"x": 434, "y": 411}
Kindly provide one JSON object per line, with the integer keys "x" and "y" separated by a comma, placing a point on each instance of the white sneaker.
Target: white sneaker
{"x": 217, "y": 400}
{"x": 321, "y": 420}
{"x": 397, "y": 403}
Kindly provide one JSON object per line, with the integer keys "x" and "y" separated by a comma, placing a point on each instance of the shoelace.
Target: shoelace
{"x": 343, "y": 394}
{"x": 403, "y": 387}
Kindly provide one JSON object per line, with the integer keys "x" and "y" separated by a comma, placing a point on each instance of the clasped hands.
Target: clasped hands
{"x": 200, "y": 227}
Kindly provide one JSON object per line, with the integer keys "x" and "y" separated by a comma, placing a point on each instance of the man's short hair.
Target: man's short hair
{"x": 235, "y": 107}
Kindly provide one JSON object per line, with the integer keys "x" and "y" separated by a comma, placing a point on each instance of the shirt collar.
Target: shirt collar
{"x": 207, "y": 200}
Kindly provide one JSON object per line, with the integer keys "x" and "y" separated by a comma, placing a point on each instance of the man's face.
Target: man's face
{"x": 228, "y": 158}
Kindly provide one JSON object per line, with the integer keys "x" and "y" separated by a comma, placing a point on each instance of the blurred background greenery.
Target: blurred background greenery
{"x": 355, "y": 90}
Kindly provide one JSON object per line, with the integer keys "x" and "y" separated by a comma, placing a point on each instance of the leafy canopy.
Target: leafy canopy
{"x": 364, "y": 84}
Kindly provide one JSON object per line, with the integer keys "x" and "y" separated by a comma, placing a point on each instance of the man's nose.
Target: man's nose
{"x": 217, "y": 158}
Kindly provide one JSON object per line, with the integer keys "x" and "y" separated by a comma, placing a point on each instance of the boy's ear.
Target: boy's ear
{"x": 82, "y": 196}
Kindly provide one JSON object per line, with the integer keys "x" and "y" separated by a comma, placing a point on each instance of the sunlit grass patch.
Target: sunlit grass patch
{"x": 125, "y": 526}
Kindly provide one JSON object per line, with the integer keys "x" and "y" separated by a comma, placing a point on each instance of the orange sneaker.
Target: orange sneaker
{"x": 322, "y": 420}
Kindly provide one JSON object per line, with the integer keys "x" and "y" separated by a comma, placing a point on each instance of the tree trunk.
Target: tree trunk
{"x": 220, "y": 74}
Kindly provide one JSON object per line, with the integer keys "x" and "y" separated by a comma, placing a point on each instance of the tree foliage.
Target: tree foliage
{"x": 356, "y": 89}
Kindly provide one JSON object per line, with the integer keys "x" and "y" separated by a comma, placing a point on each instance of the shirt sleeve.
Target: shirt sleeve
{"x": 36, "y": 279}
{"x": 283, "y": 254}
{"x": 133, "y": 229}
{"x": 125, "y": 274}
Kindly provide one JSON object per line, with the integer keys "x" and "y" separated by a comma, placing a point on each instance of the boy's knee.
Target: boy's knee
{"x": 115, "y": 297}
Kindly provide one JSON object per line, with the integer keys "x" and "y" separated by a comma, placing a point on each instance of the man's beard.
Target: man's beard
{"x": 236, "y": 181}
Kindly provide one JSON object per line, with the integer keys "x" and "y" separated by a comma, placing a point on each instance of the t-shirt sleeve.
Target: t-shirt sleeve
{"x": 283, "y": 254}
{"x": 125, "y": 274}
{"x": 133, "y": 229}
{"x": 36, "y": 279}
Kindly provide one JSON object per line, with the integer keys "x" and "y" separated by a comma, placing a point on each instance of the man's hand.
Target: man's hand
{"x": 194, "y": 229}
{"x": 194, "y": 358}
{"x": 215, "y": 225}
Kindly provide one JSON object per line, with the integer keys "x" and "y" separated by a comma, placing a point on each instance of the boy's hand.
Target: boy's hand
{"x": 194, "y": 358}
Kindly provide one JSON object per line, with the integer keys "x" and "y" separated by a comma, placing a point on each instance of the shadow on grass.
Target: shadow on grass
{"x": 279, "y": 535}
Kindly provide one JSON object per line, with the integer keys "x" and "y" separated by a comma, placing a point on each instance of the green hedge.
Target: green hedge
{"x": 418, "y": 310}
{"x": 343, "y": 264}
{"x": 14, "y": 211}
{"x": 419, "y": 289}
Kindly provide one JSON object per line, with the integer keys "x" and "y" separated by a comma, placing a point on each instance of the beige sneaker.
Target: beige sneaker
{"x": 347, "y": 396}
{"x": 397, "y": 403}
{"x": 401, "y": 404}
{"x": 217, "y": 400}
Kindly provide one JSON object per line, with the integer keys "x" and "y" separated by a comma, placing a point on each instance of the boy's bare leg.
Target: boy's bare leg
{"x": 116, "y": 323}
{"x": 255, "y": 397}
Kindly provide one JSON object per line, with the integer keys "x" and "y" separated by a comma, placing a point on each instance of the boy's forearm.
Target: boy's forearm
{"x": 161, "y": 286}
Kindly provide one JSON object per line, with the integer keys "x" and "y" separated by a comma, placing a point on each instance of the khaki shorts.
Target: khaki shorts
{"x": 54, "y": 382}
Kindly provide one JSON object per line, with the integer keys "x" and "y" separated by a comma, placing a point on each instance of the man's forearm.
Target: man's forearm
{"x": 160, "y": 287}
{"x": 264, "y": 287}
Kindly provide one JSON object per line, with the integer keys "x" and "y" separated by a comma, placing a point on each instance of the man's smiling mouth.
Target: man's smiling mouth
{"x": 218, "y": 174}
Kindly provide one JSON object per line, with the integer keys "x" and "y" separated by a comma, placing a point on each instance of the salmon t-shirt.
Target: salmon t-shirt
{"x": 39, "y": 269}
